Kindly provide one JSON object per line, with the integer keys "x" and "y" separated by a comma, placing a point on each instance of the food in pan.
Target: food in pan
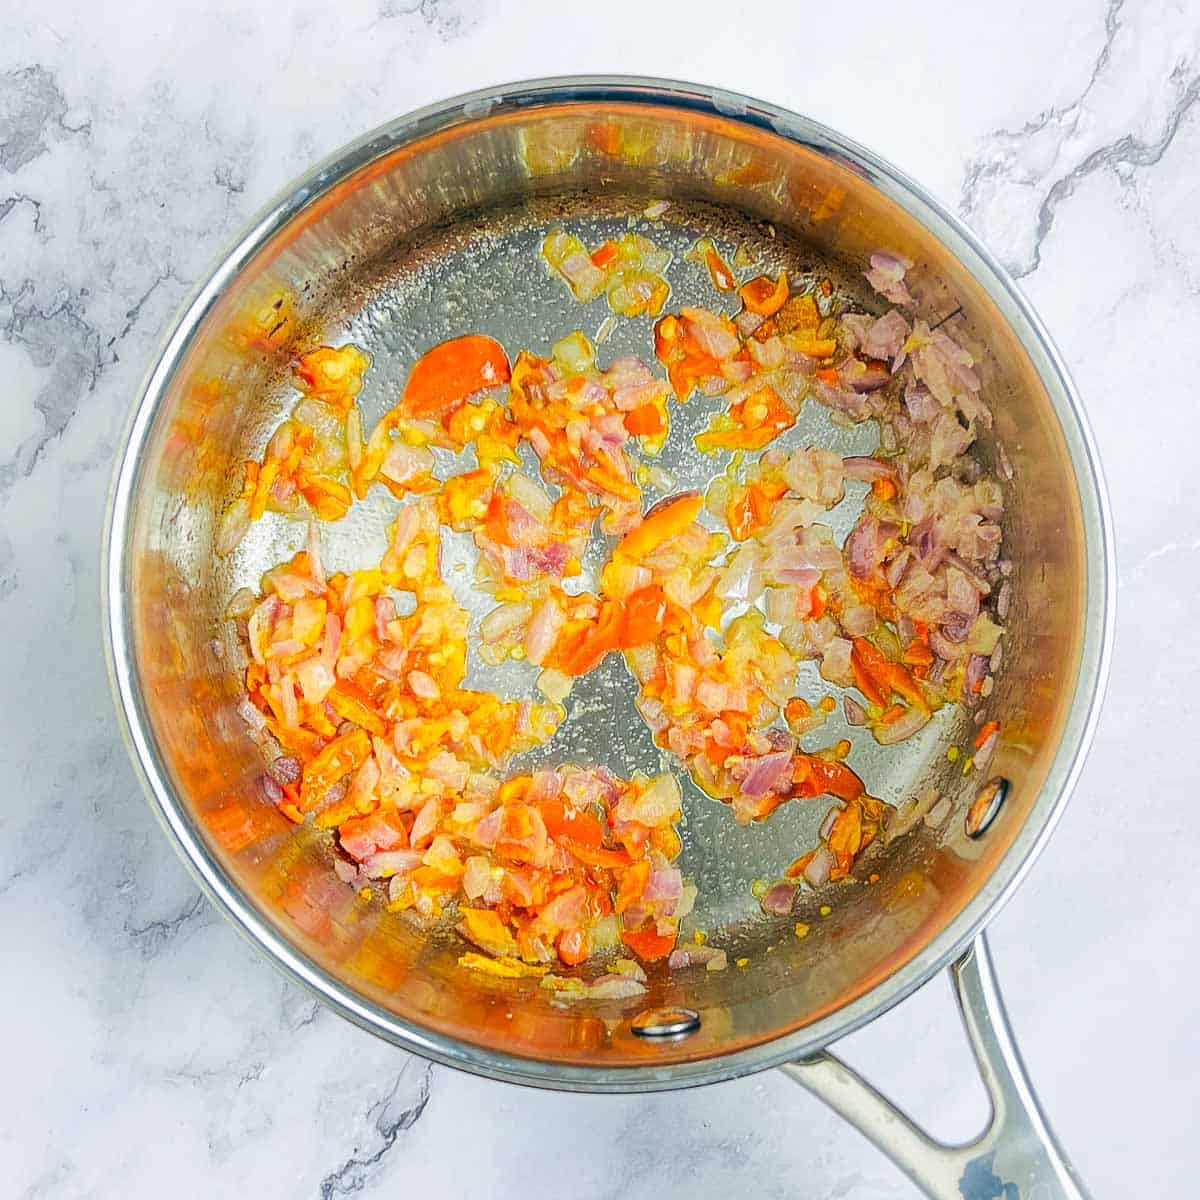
{"x": 355, "y": 680}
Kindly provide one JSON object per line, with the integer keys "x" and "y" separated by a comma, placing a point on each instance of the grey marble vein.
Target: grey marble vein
{"x": 1009, "y": 181}
{"x": 31, "y": 104}
{"x": 154, "y": 935}
{"x": 393, "y": 1114}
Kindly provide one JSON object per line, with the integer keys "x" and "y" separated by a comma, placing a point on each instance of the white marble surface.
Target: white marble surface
{"x": 149, "y": 1051}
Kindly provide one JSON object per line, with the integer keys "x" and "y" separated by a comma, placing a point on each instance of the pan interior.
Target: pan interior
{"x": 395, "y": 263}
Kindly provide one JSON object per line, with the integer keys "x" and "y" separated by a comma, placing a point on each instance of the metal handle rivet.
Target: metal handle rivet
{"x": 986, "y": 805}
{"x": 665, "y": 1023}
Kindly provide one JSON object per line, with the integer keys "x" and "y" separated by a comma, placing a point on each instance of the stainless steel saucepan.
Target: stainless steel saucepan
{"x": 430, "y": 227}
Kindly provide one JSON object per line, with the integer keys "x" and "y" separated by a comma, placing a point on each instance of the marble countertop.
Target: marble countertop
{"x": 150, "y": 1051}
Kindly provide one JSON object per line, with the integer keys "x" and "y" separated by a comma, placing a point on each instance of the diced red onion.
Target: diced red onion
{"x": 830, "y": 817}
{"x": 886, "y": 276}
{"x": 867, "y": 469}
{"x": 835, "y": 661}
{"x": 894, "y": 571}
{"x": 863, "y": 377}
{"x": 583, "y": 275}
{"x": 251, "y": 715}
{"x": 710, "y": 333}
{"x": 286, "y": 769}
{"x": 664, "y": 884}
{"x": 392, "y": 862}
{"x": 961, "y": 595}
{"x": 854, "y": 712}
{"x": 347, "y": 872}
{"x": 615, "y": 987}
{"x": 766, "y": 773}
{"x": 693, "y": 956}
{"x": 858, "y": 620}
{"x": 864, "y": 547}
{"x": 819, "y": 866}
{"x": 1004, "y": 600}
{"x": 921, "y": 405}
{"x": 904, "y": 727}
{"x": 270, "y": 788}
{"x": 779, "y": 898}
{"x": 978, "y": 582}
{"x": 983, "y": 756}
{"x": 976, "y": 669}
{"x": 747, "y": 322}
{"x": 886, "y": 336}
{"x": 423, "y": 685}
{"x": 488, "y": 830}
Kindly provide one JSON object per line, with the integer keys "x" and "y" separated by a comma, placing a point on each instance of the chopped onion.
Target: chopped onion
{"x": 766, "y": 773}
{"x": 937, "y": 815}
{"x": 903, "y": 727}
{"x": 867, "y": 469}
{"x": 827, "y": 824}
{"x": 886, "y": 276}
{"x": 250, "y": 713}
{"x": 976, "y": 670}
{"x": 694, "y": 956}
{"x": 819, "y": 866}
{"x": 1004, "y": 600}
{"x": 543, "y": 629}
{"x": 664, "y": 884}
{"x": 983, "y": 756}
{"x": 554, "y": 685}
{"x": 392, "y": 862}
{"x": 779, "y": 898}
{"x": 286, "y": 769}
{"x": 615, "y": 987}
{"x": 241, "y": 604}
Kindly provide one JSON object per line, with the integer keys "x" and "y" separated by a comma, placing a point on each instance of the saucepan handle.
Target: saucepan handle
{"x": 1016, "y": 1157}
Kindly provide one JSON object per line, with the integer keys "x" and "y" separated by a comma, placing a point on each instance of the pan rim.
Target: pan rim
{"x": 1075, "y": 740}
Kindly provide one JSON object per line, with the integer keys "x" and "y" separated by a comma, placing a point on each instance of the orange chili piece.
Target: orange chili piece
{"x": 881, "y": 676}
{"x": 604, "y": 254}
{"x": 821, "y": 777}
{"x": 565, "y": 823}
{"x": 762, "y": 296}
{"x": 722, "y": 276}
{"x": 444, "y": 377}
{"x": 645, "y": 613}
{"x": 633, "y": 884}
{"x": 573, "y": 947}
{"x": 986, "y": 732}
{"x": 645, "y": 421}
{"x": 593, "y": 642}
{"x": 660, "y": 524}
{"x": 649, "y": 944}
{"x": 762, "y": 416}
{"x": 341, "y": 756}
{"x": 601, "y": 856}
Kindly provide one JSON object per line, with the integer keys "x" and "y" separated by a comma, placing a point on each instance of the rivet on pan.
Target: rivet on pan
{"x": 665, "y": 1023}
{"x": 986, "y": 805}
